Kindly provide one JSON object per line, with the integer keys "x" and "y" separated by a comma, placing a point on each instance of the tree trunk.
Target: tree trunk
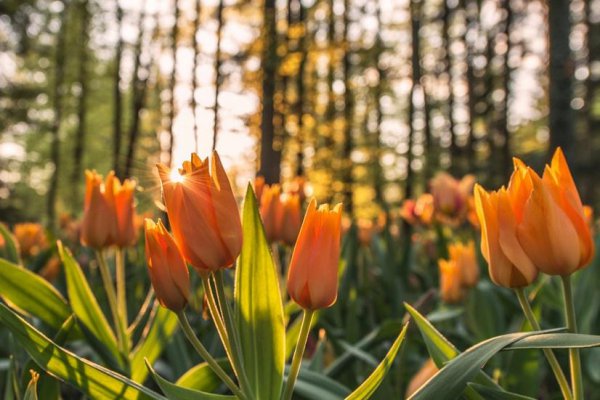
{"x": 348, "y": 146}
{"x": 218, "y": 77}
{"x": 561, "y": 72}
{"x": 57, "y": 89}
{"x": 270, "y": 156}
{"x": 172, "y": 83}
{"x": 138, "y": 95}
{"x": 381, "y": 78}
{"x": 503, "y": 121}
{"x": 471, "y": 11}
{"x": 448, "y": 71}
{"x": 117, "y": 117}
{"x": 415, "y": 8}
{"x": 194, "y": 71}
{"x": 82, "y": 78}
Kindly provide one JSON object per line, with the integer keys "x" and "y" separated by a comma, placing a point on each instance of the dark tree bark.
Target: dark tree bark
{"x": 139, "y": 86}
{"x": 415, "y": 11}
{"x": 172, "y": 83}
{"x": 270, "y": 154}
{"x": 218, "y": 76}
{"x": 471, "y": 11}
{"x": 503, "y": 120}
{"x": 82, "y": 78}
{"x": 379, "y": 89}
{"x": 300, "y": 86}
{"x": 448, "y": 72}
{"x": 117, "y": 108}
{"x": 348, "y": 145}
{"x": 57, "y": 94}
{"x": 561, "y": 76}
{"x": 195, "y": 44}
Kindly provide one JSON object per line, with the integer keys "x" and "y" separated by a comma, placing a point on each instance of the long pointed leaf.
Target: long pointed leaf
{"x": 259, "y": 312}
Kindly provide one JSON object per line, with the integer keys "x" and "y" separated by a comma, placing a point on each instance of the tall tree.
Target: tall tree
{"x": 503, "y": 116}
{"x": 270, "y": 156}
{"x": 117, "y": 108}
{"x": 300, "y": 87}
{"x": 172, "y": 83}
{"x": 218, "y": 77}
{"x": 348, "y": 145}
{"x": 195, "y": 45}
{"x": 82, "y": 79}
{"x": 561, "y": 75}
{"x": 448, "y": 72}
{"x": 57, "y": 94}
{"x": 378, "y": 93}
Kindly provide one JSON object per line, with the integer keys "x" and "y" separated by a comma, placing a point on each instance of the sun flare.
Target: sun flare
{"x": 175, "y": 176}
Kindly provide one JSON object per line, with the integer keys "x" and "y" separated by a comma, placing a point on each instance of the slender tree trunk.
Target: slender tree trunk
{"x": 270, "y": 157}
{"x": 503, "y": 122}
{"x": 448, "y": 68}
{"x": 172, "y": 83}
{"x": 57, "y": 89}
{"x": 348, "y": 145}
{"x": 415, "y": 7}
{"x": 300, "y": 86}
{"x": 218, "y": 77}
{"x": 471, "y": 11}
{"x": 194, "y": 72}
{"x": 381, "y": 78}
{"x": 561, "y": 72}
{"x": 117, "y": 111}
{"x": 82, "y": 78}
{"x": 138, "y": 95}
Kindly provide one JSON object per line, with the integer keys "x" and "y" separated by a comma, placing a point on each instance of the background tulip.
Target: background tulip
{"x": 451, "y": 288}
{"x": 291, "y": 218}
{"x": 99, "y": 226}
{"x": 464, "y": 257}
{"x": 125, "y": 212}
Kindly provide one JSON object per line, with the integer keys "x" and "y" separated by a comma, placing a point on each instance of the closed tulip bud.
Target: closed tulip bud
{"x": 167, "y": 268}
{"x": 553, "y": 229}
{"x": 313, "y": 272}
{"x": 125, "y": 211}
{"x": 464, "y": 257}
{"x": 428, "y": 370}
{"x": 259, "y": 185}
{"x": 31, "y": 238}
{"x": 203, "y": 213}
{"x": 99, "y": 226}
{"x": 292, "y": 218}
{"x": 271, "y": 211}
{"x": 508, "y": 264}
{"x": 451, "y": 288}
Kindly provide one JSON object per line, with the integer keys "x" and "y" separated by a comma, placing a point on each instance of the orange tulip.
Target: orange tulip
{"x": 291, "y": 219}
{"x": 271, "y": 211}
{"x": 203, "y": 213}
{"x": 167, "y": 268}
{"x": 509, "y": 266}
{"x": 125, "y": 212}
{"x": 451, "y": 287}
{"x": 451, "y": 195}
{"x": 31, "y": 238}
{"x": 464, "y": 257}
{"x": 259, "y": 185}
{"x": 313, "y": 272}
{"x": 428, "y": 370}
{"x": 99, "y": 226}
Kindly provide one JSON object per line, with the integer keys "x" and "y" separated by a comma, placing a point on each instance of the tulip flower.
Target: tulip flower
{"x": 428, "y": 370}
{"x": 313, "y": 272}
{"x": 259, "y": 185}
{"x": 271, "y": 211}
{"x": 167, "y": 268}
{"x": 291, "y": 218}
{"x": 203, "y": 213}
{"x": 450, "y": 195}
{"x": 99, "y": 226}
{"x": 31, "y": 238}
{"x": 451, "y": 287}
{"x": 464, "y": 257}
{"x": 125, "y": 212}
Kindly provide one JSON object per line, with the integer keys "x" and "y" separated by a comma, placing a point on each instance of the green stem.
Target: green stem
{"x": 233, "y": 333}
{"x": 574, "y": 360}
{"x": 558, "y": 372}
{"x": 112, "y": 302}
{"x": 121, "y": 288}
{"x": 189, "y": 333}
{"x": 298, "y": 354}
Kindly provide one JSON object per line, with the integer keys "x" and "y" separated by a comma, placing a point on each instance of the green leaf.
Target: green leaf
{"x": 202, "y": 377}
{"x": 370, "y": 385}
{"x": 31, "y": 392}
{"x": 483, "y": 313}
{"x": 87, "y": 310}
{"x": 174, "y": 392}
{"x": 258, "y": 308}
{"x": 313, "y": 385}
{"x": 160, "y": 329}
{"x": 293, "y": 331}
{"x": 91, "y": 379}
{"x": 11, "y": 386}
{"x": 556, "y": 340}
{"x": 10, "y": 250}
{"x": 31, "y": 294}
{"x": 451, "y": 380}
{"x": 441, "y": 351}
{"x": 489, "y": 393}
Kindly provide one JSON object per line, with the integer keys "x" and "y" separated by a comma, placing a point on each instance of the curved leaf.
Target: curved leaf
{"x": 489, "y": 393}
{"x": 556, "y": 340}
{"x": 313, "y": 385}
{"x": 370, "y": 385}
{"x": 258, "y": 308}
{"x": 201, "y": 377}
{"x": 93, "y": 380}
{"x": 10, "y": 250}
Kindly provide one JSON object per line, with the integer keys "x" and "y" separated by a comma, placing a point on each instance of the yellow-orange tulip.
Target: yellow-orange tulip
{"x": 259, "y": 185}
{"x": 313, "y": 272}
{"x": 464, "y": 257}
{"x": 31, "y": 238}
{"x": 203, "y": 213}
{"x": 428, "y": 370}
{"x": 509, "y": 266}
{"x": 167, "y": 268}
{"x": 99, "y": 226}
{"x": 292, "y": 218}
{"x": 451, "y": 195}
{"x": 126, "y": 234}
{"x": 271, "y": 211}
{"x": 451, "y": 287}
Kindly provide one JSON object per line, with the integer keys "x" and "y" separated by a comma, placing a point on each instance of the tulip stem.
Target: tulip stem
{"x": 189, "y": 333}
{"x": 112, "y": 302}
{"x": 232, "y": 332}
{"x": 298, "y": 354}
{"x": 574, "y": 360}
{"x": 121, "y": 288}
{"x": 558, "y": 372}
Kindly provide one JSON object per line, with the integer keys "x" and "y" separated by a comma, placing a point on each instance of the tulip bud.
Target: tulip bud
{"x": 464, "y": 257}
{"x": 271, "y": 212}
{"x": 167, "y": 268}
{"x": 203, "y": 213}
{"x": 291, "y": 218}
{"x": 451, "y": 288}
{"x": 125, "y": 212}
{"x": 313, "y": 271}
{"x": 31, "y": 238}
{"x": 99, "y": 226}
